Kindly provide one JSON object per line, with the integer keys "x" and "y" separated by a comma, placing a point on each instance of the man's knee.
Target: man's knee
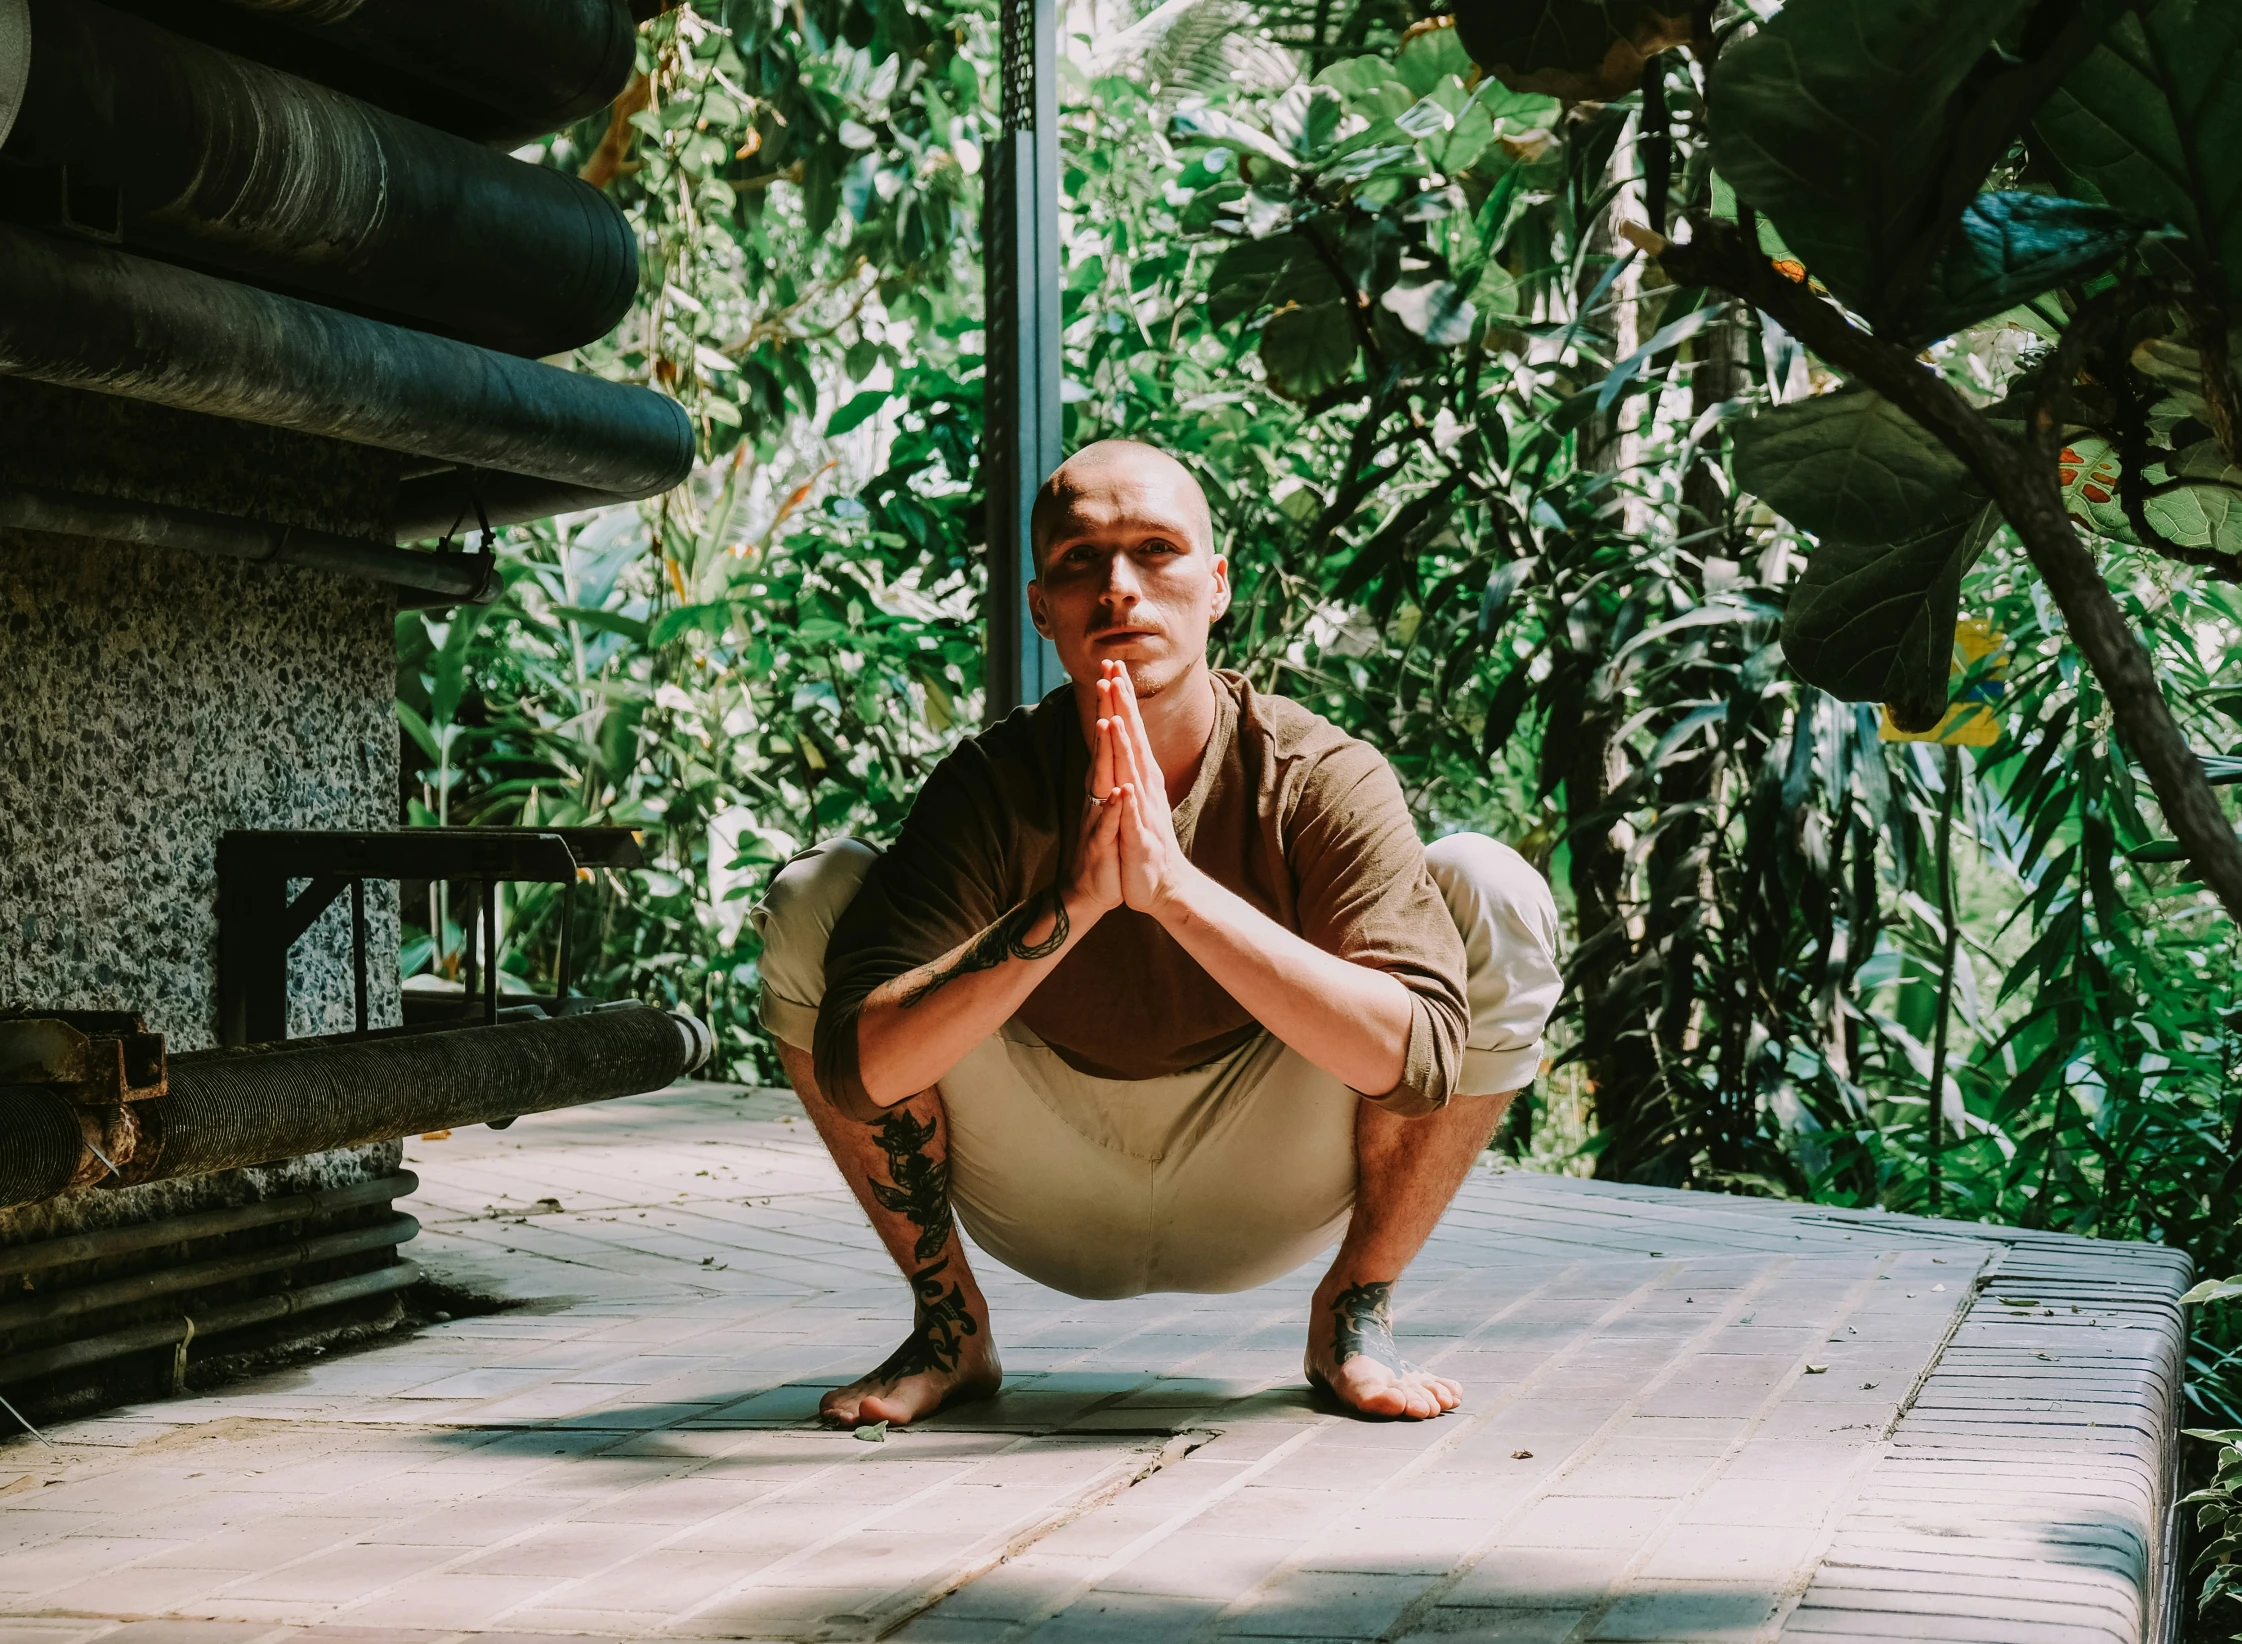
{"x": 1508, "y": 920}
{"x": 796, "y": 916}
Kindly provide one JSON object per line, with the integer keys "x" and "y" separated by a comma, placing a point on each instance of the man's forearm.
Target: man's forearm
{"x": 1350, "y": 1020}
{"x": 914, "y": 1029}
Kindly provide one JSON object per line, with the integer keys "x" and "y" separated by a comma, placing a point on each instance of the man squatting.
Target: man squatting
{"x": 1159, "y": 988}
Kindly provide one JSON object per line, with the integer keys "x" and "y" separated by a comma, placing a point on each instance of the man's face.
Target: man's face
{"x": 1128, "y": 573}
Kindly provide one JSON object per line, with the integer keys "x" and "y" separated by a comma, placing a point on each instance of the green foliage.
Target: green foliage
{"x": 1571, "y": 48}
{"x": 1500, "y": 498}
{"x": 1867, "y": 133}
{"x": 1899, "y": 521}
{"x": 2152, "y": 121}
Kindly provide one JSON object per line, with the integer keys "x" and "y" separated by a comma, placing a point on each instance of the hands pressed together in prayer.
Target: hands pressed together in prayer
{"x": 1352, "y": 1020}
{"x": 1129, "y": 855}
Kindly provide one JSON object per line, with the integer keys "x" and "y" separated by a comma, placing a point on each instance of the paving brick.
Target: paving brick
{"x": 1498, "y": 1627}
{"x": 1715, "y": 1614}
{"x": 1125, "y": 1618}
{"x": 1372, "y": 1542}
{"x": 1539, "y": 1577}
{"x": 446, "y": 1600}
{"x": 1316, "y": 1604}
{"x": 1199, "y": 1565}
{"x": 340, "y": 1576}
{"x": 1587, "y": 1521}
{"x": 665, "y": 1580}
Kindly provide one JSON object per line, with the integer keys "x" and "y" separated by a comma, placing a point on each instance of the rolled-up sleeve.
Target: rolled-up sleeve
{"x": 1366, "y": 895}
{"x": 935, "y": 888}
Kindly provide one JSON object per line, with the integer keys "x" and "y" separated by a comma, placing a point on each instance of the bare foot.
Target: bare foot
{"x": 949, "y": 1358}
{"x": 1351, "y": 1357}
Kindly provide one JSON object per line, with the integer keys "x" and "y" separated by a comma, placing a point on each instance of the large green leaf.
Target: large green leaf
{"x": 1899, "y": 520}
{"x": 2204, "y": 509}
{"x": 1838, "y": 119}
{"x": 2011, "y": 247}
{"x": 1430, "y": 52}
{"x": 1242, "y": 276}
{"x": 1876, "y": 623}
{"x": 1308, "y": 349}
{"x": 2151, "y": 122}
{"x": 1575, "y": 49}
{"x": 1853, "y": 467}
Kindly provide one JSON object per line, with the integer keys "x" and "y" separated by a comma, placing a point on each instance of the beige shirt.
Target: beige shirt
{"x": 1301, "y": 820}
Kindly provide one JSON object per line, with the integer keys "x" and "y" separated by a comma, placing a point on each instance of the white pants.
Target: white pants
{"x": 1216, "y": 1179}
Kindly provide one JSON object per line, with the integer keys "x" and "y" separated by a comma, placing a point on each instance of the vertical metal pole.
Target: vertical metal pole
{"x": 1022, "y": 433}
{"x": 358, "y": 948}
{"x": 567, "y": 931}
{"x": 490, "y": 950}
{"x": 1950, "y": 936}
{"x": 470, "y": 979}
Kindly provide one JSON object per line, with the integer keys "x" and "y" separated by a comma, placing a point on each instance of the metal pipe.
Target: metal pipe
{"x": 230, "y": 1108}
{"x": 434, "y": 505}
{"x": 225, "y": 1109}
{"x": 41, "y": 1144}
{"x": 213, "y": 1322}
{"x": 209, "y": 159}
{"x": 494, "y": 71}
{"x": 46, "y": 1254}
{"x": 169, "y": 1281}
{"x": 445, "y": 578}
{"x": 84, "y": 316}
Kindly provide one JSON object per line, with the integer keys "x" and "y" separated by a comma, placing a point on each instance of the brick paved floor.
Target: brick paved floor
{"x": 1689, "y": 1418}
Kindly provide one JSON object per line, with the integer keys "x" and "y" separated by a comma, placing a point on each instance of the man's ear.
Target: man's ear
{"x": 1221, "y": 587}
{"x": 1036, "y": 611}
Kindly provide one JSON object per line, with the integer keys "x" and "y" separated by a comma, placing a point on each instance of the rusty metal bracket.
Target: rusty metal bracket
{"x": 101, "y": 1062}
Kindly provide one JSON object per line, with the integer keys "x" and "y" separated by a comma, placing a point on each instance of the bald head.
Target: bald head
{"x": 1111, "y": 480}
{"x": 1125, "y": 566}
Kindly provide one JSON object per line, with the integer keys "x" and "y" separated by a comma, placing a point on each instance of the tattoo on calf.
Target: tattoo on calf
{"x": 939, "y": 1325}
{"x": 1006, "y": 939}
{"x": 918, "y": 1184}
{"x": 1362, "y": 1325}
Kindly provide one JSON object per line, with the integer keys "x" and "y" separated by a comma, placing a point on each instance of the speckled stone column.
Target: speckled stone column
{"x": 149, "y": 700}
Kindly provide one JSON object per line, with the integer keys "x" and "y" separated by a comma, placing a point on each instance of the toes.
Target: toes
{"x": 838, "y": 1407}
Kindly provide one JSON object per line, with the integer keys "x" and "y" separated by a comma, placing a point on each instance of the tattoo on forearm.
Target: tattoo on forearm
{"x": 918, "y": 1184}
{"x": 1362, "y": 1325}
{"x": 1006, "y": 939}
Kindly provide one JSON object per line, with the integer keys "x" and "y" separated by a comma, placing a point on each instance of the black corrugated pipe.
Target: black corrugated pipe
{"x": 60, "y": 1306}
{"x": 208, "y": 159}
{"x": 225, "y": 1109}
{"x": 84, "y": 316}
{"x": 42, "y": 1255}
{"x": 495, "y": 71}
{"x": 212, "y": 1321}
{"x": 40, "y": 1144}
{"x": 428, "y": 579}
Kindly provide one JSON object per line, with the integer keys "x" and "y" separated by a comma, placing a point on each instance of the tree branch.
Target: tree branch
{"x": 2021, "y": 477}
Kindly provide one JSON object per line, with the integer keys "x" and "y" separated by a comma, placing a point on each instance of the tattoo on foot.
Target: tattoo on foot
{"x": 918, "y": 1185}
{"x": 1006, "y": 939}
{"x": 939, "y": 1325}
{"x": 1362, "y": 1326}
